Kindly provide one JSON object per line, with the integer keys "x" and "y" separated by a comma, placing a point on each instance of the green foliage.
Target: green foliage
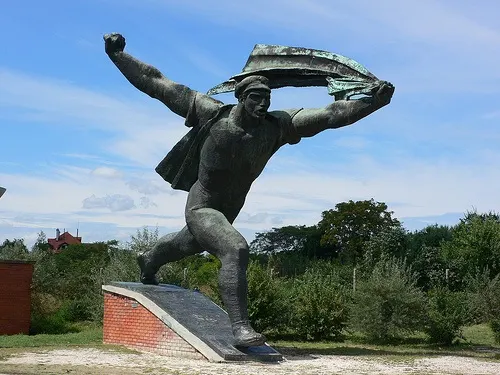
{"x": 430, "y": 267}
{"x": 351, "y": 225}
{"x": 288, "y": 264}
{"x": 483, "y": 296}
{"x": 390, "y": 242}
{"x": 14, "y": 250}
{"x": 122, "y": 266}
{"x": 293, "y": 289}
{"x": 475, "y": 244}
{"x": 301, "y": 240}
{"x": 495, "y": 327}
{"x": 446, "y": 315}
{"x": 321, "y": 303}
{"x": 143, "y": 240}
{"x": 387, "y": 304}
{"x": 203, "y": 274}
{"x": 55, "y": 323}
{"x": 268, "y": 299}
{"x": 430, "y": 236}
{"x": 41, "y": 245}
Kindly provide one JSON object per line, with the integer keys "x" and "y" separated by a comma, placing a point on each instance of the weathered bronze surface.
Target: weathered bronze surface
{"x": 228, "y": 147}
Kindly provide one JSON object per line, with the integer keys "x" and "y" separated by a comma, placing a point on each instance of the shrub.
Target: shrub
{"x": 55, "y": 323}
{"x": 268, "y": 299}
{"x": 321, "y": 303}
{"x": 495, "y": 327}
{"x": 483, "y": 295}
{"x": 446, "y": 315}
{"x": 387, "y": 305}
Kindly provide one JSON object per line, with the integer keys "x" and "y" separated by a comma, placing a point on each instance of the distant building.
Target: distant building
{"x": 61, "y": 241}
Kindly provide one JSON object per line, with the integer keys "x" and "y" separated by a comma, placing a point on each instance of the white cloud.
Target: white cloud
{"x": 421, "y": 46}
{"x": 139, "y": 133}
{"x": 259, "y": 220}
{"x": 146, "y": 202}
{"x": 107, "y": 172}
{"x": 149, "y": 186}
{"x": 115, "y": 202}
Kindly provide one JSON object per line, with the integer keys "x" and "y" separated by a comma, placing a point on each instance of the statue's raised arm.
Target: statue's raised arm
{"x": 147, "y": 78}
{"x": 310, "y": 122}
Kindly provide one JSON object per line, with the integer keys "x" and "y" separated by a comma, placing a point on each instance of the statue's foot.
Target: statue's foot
{"x": 245, "y": 336}
{"x": 147, "y": 276}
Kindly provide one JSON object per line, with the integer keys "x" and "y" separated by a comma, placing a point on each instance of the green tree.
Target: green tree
{"x": 41, "y": 245}
{"x": 475, "y": 245}
{"x": 143, "y": 240}
{"x": 391, "y": 242}
{"x": 299, "y": 239}
{"x": 351, "y": 225}
{"x": 430, "y": 236}
{"x": 14, "y": 250}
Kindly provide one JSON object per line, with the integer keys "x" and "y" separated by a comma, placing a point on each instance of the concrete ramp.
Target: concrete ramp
{"x": 174, "y": 321}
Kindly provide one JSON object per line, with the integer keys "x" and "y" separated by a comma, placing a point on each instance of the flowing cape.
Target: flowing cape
{"x": 304, "y": 67}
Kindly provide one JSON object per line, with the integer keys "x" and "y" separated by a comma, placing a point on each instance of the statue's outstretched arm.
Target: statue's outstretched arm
{"x": 147, "y": 78}
{"x": 309, "y": 122}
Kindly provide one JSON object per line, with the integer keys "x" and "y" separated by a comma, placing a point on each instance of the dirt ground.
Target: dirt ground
{"x": 113, "y": 362}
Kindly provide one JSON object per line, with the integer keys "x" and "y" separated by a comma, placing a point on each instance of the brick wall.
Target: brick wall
{"x": 128, "y": 323}
{"x": 15, "y": 297}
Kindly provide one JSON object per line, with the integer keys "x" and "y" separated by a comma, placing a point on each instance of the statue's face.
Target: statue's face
{"x": 257, "y": 103}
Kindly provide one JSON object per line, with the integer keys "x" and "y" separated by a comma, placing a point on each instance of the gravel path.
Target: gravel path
{"x": 137, "y": 363}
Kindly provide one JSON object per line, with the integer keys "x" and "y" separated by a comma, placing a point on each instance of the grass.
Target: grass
{"x": 86, "y": 335}
{"x": 477, "y": 342}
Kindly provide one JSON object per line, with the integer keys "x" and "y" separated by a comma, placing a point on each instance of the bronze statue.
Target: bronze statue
{"x": 226, "y": 149}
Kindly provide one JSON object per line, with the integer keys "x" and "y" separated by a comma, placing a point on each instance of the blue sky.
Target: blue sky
{"x": 79, "y": 143}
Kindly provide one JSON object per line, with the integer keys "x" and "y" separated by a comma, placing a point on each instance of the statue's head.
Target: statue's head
{"x": 254, "y": 94}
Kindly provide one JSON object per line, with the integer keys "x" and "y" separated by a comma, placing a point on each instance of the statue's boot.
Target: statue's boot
{"x": 233, "y": 290}
{"x": 148, "y": 274}
{"x": 245, "y": 335}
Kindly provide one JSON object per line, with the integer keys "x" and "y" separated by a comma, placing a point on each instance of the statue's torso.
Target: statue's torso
{"x": 232, "y": 158}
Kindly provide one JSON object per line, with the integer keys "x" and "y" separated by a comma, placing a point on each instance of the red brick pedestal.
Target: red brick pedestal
{"x": 173, "y": 321}
{"x": 128, "y": 323}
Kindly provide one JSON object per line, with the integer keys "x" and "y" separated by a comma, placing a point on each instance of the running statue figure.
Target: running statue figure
{"x": 226, "y": 149}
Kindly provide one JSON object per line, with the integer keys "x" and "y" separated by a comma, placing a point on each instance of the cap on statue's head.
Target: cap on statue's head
{"x": 251, "y": 83}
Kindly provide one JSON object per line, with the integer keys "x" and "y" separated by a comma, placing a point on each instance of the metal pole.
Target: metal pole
{"x": 354, "y": 280}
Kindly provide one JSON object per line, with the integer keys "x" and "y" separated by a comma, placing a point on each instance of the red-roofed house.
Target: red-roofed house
{"x": 63, "y": 240}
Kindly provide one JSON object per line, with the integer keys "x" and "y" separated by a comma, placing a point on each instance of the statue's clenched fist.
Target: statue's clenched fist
{"x": 384, "y": 92}
{"x": 114, "y": 43}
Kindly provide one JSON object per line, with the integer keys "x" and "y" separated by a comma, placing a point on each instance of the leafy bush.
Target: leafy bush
{"x": 446, "y": 315}
{"x": 475, "y": 244}
{"x": 268, "y": 299}
{"x": 387, "y": 304}
{"x": 55, "y": 323}
{"x": 495, "y": 327}
{"x": 483, "y": 295}
{"x": 484, "y": 300}
{"x": 321, "y": 304}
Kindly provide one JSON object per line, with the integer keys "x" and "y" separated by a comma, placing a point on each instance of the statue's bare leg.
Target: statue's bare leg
{"x": 169, "y": 248}
{"x": 215, "y": 234}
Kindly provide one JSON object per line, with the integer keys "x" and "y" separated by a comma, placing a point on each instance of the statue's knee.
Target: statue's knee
{"x": 237, "y": 254}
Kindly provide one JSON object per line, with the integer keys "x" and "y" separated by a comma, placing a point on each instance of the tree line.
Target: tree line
{"x": 357, "y": 270}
